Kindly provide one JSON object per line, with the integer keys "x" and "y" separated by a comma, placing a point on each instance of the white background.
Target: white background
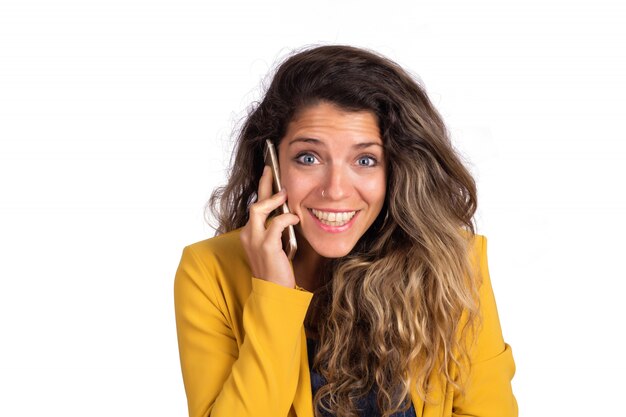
{"x": 115, "y": 125}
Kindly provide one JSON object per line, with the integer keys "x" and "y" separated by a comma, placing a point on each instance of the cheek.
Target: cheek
{"x": 374, "y": 191}
{"x": 296, "y": 189}
{"x": 298, "y": 182}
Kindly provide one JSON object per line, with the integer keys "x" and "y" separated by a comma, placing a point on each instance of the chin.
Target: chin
{"x": 333, "y": 253}
{"x": 331, "y": 250}
{"x": 325, "y": 245}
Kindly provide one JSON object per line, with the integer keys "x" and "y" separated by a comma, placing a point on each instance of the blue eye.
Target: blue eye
{"x": 366, "y": 161}
{"x": 306, "y": 159}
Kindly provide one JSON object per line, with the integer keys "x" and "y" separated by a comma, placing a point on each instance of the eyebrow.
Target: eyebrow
{"x": 319, "y": 142}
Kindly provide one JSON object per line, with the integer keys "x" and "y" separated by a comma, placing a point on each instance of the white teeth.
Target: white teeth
{"x": 333, "y": 218}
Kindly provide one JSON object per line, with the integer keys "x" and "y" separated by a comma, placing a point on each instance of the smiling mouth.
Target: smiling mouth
{"x": 334, "y": 219}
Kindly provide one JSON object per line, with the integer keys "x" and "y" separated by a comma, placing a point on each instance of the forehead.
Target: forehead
{"x": 329, "y": 121}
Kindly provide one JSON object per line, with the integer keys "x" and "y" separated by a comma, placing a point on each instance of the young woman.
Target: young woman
{"x": 386, "y": 308}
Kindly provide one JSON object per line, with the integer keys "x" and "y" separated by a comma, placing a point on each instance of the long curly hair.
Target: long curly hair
{"x": 401, "y": 305}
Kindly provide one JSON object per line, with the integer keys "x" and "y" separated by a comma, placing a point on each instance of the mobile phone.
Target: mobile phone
{"x": 289, "y": 235}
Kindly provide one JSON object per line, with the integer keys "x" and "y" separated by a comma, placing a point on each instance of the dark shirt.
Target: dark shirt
{"x": 367, "y": 405}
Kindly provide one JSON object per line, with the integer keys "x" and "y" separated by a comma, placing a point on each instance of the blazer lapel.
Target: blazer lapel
{"x": 418, "y": 403}
{"x": 303, "y": 400}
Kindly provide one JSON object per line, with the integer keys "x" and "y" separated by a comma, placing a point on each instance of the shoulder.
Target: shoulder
{"x": 477, "y": 242}
{"x": 476, "y": 249}
{"x": 478, "y": 253}
{"x": 224, "y": 248}
{"x": 220, "y": 262}
{"x": 479, "y": 250}
{"x": 490, "y": 341}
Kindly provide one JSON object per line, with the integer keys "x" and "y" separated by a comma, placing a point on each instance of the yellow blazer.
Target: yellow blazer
{"x": 243, "y": 348}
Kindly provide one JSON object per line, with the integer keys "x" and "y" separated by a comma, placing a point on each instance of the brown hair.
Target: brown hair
{"x": 394, "y": 307}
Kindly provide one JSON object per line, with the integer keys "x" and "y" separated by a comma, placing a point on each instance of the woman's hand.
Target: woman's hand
{"x": 263, "y": 245}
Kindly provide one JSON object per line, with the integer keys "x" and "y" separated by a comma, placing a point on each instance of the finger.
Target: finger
{"x": 279, "y": 224}
{"x": 260, "y": 210}
{"x": 265, "y": 184}
{"x": 273, "y": 243}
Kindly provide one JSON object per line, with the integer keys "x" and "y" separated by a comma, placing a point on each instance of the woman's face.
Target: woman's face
{"x": 333, "y": 167}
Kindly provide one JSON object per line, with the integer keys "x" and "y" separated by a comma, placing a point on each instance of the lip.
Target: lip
{"x": 333, "y": 210}
{"x": 334, "y": 229}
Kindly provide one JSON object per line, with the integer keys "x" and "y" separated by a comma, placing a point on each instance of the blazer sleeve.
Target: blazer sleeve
{"x": 488, "y": 385}
{"x": 258, "y": 378}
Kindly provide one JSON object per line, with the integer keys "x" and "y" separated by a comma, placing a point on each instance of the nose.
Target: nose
{"x": 337, "y": 184}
